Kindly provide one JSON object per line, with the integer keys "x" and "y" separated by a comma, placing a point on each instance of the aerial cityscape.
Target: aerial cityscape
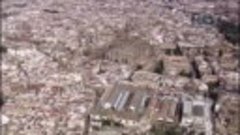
{"x": 120, "y": 67}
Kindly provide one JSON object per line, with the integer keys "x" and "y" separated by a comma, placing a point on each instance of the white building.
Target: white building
{"x": 197, "y": 114}
{"x": 4, "y": 125}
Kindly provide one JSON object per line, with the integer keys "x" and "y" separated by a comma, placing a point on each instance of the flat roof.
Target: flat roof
{"x": 198, "y": 110}
{"x": 189, "y": 45}
{"x": 165, "y": 108}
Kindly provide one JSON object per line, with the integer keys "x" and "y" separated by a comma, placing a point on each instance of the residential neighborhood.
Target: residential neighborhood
{"x": 111, "y": 67}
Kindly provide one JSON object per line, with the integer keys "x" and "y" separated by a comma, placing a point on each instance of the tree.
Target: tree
{"x": 166, "y": 130}
{"x": 159, "y": 67}
{"x": 1, "y": 100}
{"x": 173, "y": 131}
{"x": 3, "y": 49}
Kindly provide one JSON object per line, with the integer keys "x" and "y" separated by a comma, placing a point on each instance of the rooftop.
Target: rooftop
{"x": 165, "y": 108}
{"x": 124, "y": 101}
